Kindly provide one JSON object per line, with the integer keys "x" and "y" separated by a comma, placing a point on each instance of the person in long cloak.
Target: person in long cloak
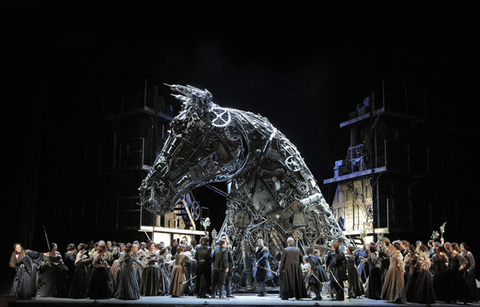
{"x": 79, "y": 281}
{"x": 355, "y": 285}
{"x": 163, "y": 274}
{"x": 394, "y": 285}
{"x": 178, "y": 277}
{"x": 292, "y": 284}
{"x": 54, "y": 274}
{"x": 100, "y": 284}
{"x": 317, "y": 276}
{"x": 456, "y": 289}
{"x": 137, "y": 269}
{"x": 231, "y": 268}
{"x": 411, "y": 270}
{"x": 440, "y": 281}
{"x": 374, "y": 280}
{"x": 383, "y": 257}
{"x": 220, "y": 268}
{"x": 203, "y": 256}
{"x": 69, "y": 260}
{"x": 261, "y": 267}
{"x": 423, "y": 292}
{"x": 469, "y": 275}
{"x": 188, "y": 271}
{"x": 336, "y": 265}
{"x": 127, "y": 284}
{"x": 26, "y": 264}
{"x": 149, "y": 274}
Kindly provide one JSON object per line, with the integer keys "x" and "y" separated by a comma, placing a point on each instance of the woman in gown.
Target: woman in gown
{"x": 176, "y": 284}
{"x": 394, "y": 286}
{"x": 440, "y": 279}
{"x": 383, "y": 257}
{"x": 355, "y": 286}
{"x": 411, "y": 270}
{"x": 127, "y": 285}
{"x": 423, "y": 291}
{"x": 469, "y": 275}
{"x": 25, "y": 263}
{"x": 374, "y": 281}
{"x": 53, "y": 274}
{"x": 137, "y": 269}
{"x": 163, "y": 275}
{"x": 150, "y": 275}
{"x": 70, "y": 257}
{"x": 100, "y": 285}
{"x": 78, "y": 286}
{"x": 113, "y": 254}
{"x": 456, "y": 287}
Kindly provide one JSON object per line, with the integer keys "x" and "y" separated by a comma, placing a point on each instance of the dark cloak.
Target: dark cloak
{"x": 292, "y": 284}
{"x": 25, "y": 282}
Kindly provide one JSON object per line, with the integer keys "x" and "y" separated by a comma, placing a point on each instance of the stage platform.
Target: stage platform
{"x": 239, "y": 300}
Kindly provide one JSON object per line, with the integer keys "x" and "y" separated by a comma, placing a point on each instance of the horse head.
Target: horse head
{"x": 204, "y": 146}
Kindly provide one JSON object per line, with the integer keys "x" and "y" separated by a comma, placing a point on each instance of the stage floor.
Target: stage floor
{"x": 242, "y": 299}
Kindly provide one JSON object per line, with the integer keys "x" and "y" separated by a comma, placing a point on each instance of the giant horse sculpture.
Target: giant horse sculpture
{"x": 271, "y": 192}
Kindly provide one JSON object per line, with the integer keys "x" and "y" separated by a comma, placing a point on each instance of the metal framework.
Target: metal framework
{"x": 272, "y": 194}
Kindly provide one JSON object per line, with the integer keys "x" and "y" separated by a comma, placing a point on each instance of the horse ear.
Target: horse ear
{"x": 191, "y": 95}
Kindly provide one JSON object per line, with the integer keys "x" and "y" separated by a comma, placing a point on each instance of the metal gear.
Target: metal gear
{"x": 222, "y": 117}
{"x": 292, "y": 164}
{"x": 303, "y": 189}
{"x": 311, "y": 232}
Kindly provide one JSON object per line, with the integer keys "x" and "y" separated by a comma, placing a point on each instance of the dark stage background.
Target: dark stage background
{"x": 303, "y": 85}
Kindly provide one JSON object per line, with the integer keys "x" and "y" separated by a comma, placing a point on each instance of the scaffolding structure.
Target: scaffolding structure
{"x": 377, "y": 182}
{"x": 111, "y": 139}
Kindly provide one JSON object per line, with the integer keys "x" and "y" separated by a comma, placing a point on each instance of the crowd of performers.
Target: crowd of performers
{"x": 125, "y": 271}
{"x": 396, "y": 271}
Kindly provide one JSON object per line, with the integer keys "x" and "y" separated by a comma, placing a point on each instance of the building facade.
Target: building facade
{"x": 382, "y": 184}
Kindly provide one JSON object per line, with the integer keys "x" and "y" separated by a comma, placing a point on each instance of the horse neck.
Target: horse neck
{"x": 265, "y": 139}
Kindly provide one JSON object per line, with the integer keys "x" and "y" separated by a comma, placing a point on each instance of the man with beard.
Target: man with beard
{"x": 203, "y": 256}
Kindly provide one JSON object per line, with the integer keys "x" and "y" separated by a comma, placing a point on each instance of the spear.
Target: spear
{"x": 46, "y": 237}
{"x": 336, "y": 281}
{"x": 188, "y": 280}
{"x": 264, "y": 268}
{"x": 311, "y": 273}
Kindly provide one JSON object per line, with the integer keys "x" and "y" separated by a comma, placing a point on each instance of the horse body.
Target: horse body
{"x": 272, "y": 194}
